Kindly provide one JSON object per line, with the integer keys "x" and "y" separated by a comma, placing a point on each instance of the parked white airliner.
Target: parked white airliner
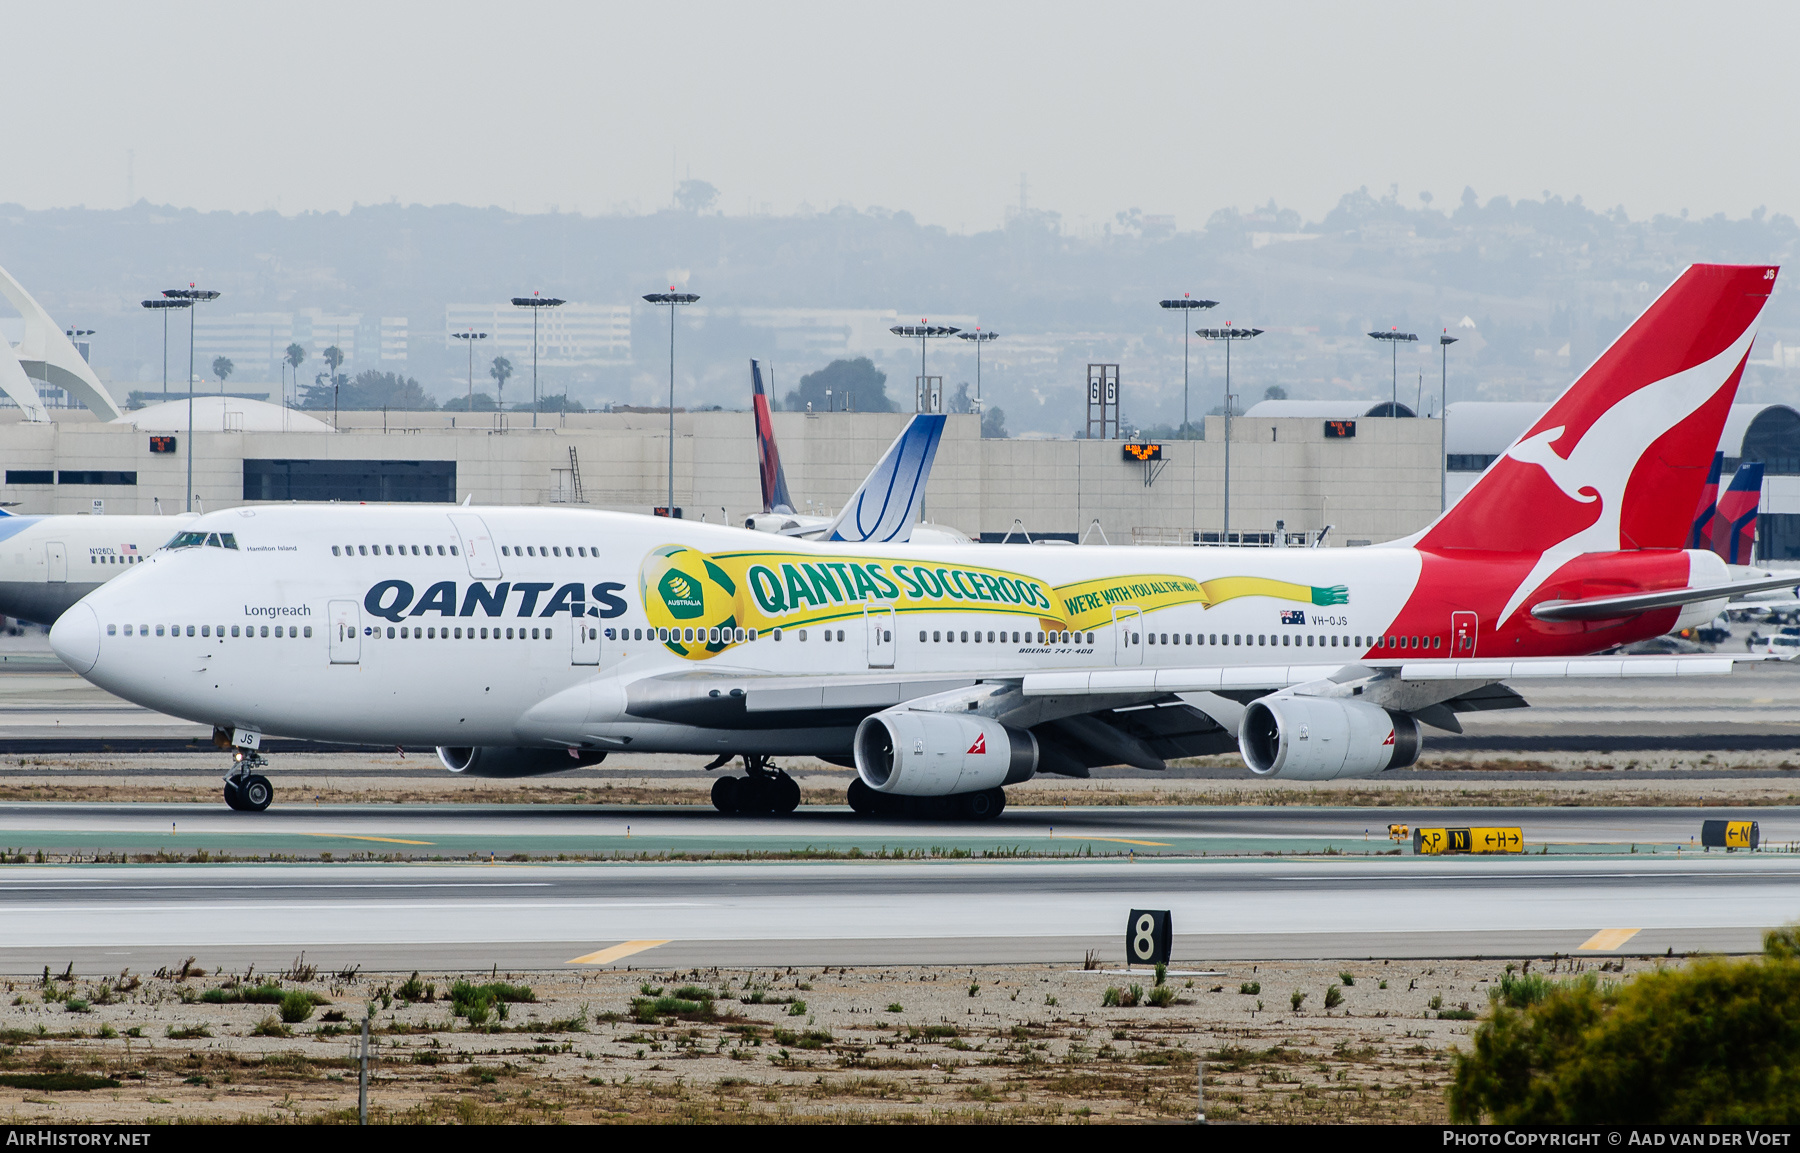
{"x": 523, "y": 640}
{"x": 47, "y": 563}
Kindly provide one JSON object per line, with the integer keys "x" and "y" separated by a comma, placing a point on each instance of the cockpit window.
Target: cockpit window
{"x": 187, "y": 540}
{"x": 228, "y": 540}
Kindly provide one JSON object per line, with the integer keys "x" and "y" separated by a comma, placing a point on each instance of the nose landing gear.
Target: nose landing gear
{"x": 766, "y": 789}
{"x": 245, "y": 790}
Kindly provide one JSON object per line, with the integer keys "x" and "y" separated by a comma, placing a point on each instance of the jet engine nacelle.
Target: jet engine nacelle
{"x": 919, "y": 753}
{"x": 507, "y": 762}
{"x": 1322, "y": 738}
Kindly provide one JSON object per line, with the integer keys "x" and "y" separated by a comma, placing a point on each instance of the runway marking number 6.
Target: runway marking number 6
{"x": 1149, "y": 937}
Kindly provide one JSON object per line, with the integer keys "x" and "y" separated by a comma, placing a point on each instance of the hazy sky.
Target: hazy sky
{"x": 933, "y": 108}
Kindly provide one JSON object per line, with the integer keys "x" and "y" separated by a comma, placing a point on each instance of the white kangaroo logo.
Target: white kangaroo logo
{"x": 1536, "y": 450}
{"x": 1599, "y": 466}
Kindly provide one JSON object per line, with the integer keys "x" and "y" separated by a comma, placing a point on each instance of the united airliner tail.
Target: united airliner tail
{"x": 1734, "y": 528}
{"x": 1700, "y": 536}
{"x": 774, "y": 481}
{"x": 888, "y": 503}
{"x": 1620, "y": 459}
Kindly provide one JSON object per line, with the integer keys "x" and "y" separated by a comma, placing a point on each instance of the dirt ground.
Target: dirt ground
{"x": 917, "y": 1044}
{"x": 1737, "y": 779}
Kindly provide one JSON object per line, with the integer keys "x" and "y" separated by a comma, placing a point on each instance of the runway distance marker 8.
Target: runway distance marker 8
{"x": 1149, "y": 937}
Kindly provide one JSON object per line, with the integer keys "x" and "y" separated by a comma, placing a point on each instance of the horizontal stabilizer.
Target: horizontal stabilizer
{"x": 1611, "y": 608}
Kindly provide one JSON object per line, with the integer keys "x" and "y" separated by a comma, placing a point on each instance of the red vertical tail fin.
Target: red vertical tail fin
{"x": 1619, "y": 460}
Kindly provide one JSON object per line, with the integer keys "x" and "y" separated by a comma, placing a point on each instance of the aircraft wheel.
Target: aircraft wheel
{"x": 754, "y": 795}
{"x": 725, "y": 794}
{"x": 256, "y": 792}
{"x": 983, "y": 806}
{"x": 234, "y": 797}
{"x": 862, "y": 798}
{"x": 787, "y": 794}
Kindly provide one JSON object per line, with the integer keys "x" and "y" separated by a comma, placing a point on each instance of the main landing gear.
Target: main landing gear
{"x": 984, "y": 805}
{"x": 766, "y": 789}
{"x": 245, "y": 790}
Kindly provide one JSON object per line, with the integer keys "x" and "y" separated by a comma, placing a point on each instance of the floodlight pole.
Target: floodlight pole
{"x": 535, "y": 302}
{"x": 1229, "y": 335}
{"x": 1444, "y": 343}
{"x": 1395, "y": 339}
{"x": 924, "y": 330}
{"x": 469, "y": 338}
{"x": 192, "y": 296}
{"x": 163, "y": 305}
{"x": 673, "y": 300}
{"x": 978, "y": 338}
{"x": 1186, "y": 304}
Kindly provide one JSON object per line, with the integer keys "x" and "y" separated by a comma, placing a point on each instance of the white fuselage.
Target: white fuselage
{"x": 525, "y": 626}
{"x": 47, "y": 563}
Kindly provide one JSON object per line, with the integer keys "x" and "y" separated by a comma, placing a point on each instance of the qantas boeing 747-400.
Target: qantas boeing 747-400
{"x": 527, "y": 640}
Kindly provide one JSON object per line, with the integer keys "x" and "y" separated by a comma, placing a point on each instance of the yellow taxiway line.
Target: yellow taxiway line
{"x": 1607, "y": 940}
{"x": 608, "y": 956}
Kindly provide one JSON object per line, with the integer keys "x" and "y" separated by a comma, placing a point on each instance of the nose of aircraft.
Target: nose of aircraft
{"x": 75, "y": 637}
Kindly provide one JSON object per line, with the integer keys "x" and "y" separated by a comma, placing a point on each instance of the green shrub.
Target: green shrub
{"x": 896, "y": 1007}
{"x": 1333, "y": 997}
{"x": 1347, "y": 978}
{"x": 1708, "y": 1044}
{"x": 1523, "y": 990}
{"x": 1162, "y": 972}
{"x": 1110, "y": 998}
{"x": 412, "y": 989}
{"x": 75, "y": 1005}
{"x": 270, "y": 1027}
{"x": 191, "y": 1033}
{"x": 797, "y": 1009}
{"x": 1132, "y": 996}
{"x": 1250, "y": 988}
{"x": 1162, "y": 996}
{"x": 648, "y": 1010}
{"x": 1297, "y": 1000}
{"x": 476, "y": 1002}
{"x": 296, "y": 1006}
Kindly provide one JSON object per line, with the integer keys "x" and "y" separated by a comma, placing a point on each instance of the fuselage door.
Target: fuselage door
{"x": 878, "y": 626}
{"x": 1463, "y": 629}
{"x": 346, "y": 632}
{"x": 56, "y": 562}
{"x": 477, "y": 546}
{"x": 1128, "y": 637}
{"x": 586, "y": 635}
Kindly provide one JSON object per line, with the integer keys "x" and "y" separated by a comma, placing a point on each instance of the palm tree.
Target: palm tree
{"x": 222, "y": 367}
{"x": 334, "y": 356}
{"x": 295, "y": 355}
{"x": 502, "y": 369}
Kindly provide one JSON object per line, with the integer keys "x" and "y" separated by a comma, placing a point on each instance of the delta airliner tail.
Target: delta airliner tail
{"x": 774, "y": 481}
{"x": 1700, "y": 536}
{"x": 1734, "y": 528}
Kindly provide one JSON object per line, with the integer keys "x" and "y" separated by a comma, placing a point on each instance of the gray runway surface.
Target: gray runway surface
{"x": 1190, "y": 827}
{"x": 444, "y": 917}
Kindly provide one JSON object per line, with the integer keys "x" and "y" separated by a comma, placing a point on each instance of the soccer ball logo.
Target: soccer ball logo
{"x": 685, "y": 592}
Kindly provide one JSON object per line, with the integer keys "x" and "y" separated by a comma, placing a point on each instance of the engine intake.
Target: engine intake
{"x": 918, "y": 753}
{"x": 507, "y": 762}
{"x": 1322, "y": 738}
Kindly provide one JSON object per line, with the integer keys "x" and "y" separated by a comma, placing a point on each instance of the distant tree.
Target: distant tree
{"x": 993, "y": 423}
{"x": 562, "y": 403}
{"x": 482, "y": 403}
{"x": 334, "y": 356}
{"x": 695, "y": 195}
{"x": 959, "y": 400}
{"x": 1275, "y": 392}
{"x": 859, "y": 379}
{"x": 295, "y": 356}
{"x": 501, "y": 369}
{"x": 222, "y": 367}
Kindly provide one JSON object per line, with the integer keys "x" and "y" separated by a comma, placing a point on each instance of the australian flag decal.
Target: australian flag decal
{"x": 1293, "y": 616}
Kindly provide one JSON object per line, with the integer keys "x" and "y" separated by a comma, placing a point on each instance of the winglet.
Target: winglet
{"x": 888, "y": 503}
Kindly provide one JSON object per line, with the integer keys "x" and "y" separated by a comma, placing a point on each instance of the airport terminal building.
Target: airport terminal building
{"x": 1303, "y": 465}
